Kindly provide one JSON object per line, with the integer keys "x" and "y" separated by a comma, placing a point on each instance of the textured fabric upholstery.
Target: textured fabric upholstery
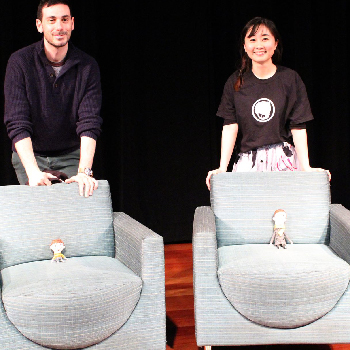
{"x": 128, "y": 230}
{"x": 31, "y": 217}
{"x": 244, "y": 204}
{"x": 282, "y": 288}
{"x": 145, "y": 328}
{"x": 139, "y": 258}
{"x": 340, "y": 231}
{"x": 217, "y": 322}
{"x": 51, "y": 306}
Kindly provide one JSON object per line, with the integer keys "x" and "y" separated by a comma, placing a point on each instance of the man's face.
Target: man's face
{"x": 56, "y": 24}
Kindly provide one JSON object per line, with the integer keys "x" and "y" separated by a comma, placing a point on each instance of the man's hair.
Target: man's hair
{"x": 48, "y": 3}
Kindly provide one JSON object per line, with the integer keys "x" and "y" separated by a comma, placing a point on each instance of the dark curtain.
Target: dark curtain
{"x": 163, "y": 66}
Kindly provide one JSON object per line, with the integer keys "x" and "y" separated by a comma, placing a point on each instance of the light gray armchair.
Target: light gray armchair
{"x": 248, "y": 292}
{"x": 108, "y": 294}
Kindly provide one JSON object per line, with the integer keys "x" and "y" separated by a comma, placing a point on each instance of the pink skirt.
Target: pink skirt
{"x": 277, "y": 157}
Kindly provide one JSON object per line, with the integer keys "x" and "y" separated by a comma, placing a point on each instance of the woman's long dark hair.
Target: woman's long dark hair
{"x": 246, "y": 63}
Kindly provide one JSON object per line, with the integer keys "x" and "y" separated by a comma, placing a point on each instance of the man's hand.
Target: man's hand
{"x": 40, "y": 178}
{"x": 87, "y": 184}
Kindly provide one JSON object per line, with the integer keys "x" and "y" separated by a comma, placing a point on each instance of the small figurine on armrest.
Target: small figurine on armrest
{"x": 57, "y": 246}
{"x": 279, "y": 235}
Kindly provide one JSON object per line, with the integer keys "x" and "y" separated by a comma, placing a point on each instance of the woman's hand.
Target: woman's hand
{"x": 301, "y": 147}
{"x": 212, "y": 172}
{"x": 319, "y": 169}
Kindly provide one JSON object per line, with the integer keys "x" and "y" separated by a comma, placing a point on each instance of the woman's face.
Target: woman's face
{"x": 261, "y": 46}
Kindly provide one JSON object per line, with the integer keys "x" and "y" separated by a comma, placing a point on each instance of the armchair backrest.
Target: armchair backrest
{"x": 244, "y": 203}
{"x": 31, "y": 217}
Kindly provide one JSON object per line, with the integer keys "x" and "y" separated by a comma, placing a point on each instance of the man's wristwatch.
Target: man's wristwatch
{"x": 86, "y": 171}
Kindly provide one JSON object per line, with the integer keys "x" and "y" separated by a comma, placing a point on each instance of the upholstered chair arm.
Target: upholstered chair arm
{"x": 340, "y": 231}
{"x": 138, "y": 247}
{"x": 142, "y": 250}
{"x": 205, "y": 264}
{"x": 204, "y": 250}
{"x": 204, "y": 244}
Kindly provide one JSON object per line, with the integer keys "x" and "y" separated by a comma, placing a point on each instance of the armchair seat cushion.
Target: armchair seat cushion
{"x": 282, "y": 288}
{"x": 69, "y": 305}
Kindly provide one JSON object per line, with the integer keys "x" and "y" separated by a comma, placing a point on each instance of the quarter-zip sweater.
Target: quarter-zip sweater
{"x": 53, "y": 111}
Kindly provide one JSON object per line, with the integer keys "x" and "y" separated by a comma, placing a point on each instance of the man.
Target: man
{"x": 52, "y": 104}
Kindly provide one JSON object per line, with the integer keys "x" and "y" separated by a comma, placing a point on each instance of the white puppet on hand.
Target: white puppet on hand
{"x": 279, "y": 235}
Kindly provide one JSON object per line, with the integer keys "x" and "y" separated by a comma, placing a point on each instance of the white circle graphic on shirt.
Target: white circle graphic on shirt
{"x": 263, "y": 110}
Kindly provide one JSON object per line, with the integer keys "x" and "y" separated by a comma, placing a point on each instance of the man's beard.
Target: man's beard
{"x": 60, "y": 43}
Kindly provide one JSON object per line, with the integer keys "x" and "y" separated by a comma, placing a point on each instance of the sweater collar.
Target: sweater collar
{"x": 72, "y": 57}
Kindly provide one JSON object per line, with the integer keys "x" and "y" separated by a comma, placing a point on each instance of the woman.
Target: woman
{"x": 265, "y": 108}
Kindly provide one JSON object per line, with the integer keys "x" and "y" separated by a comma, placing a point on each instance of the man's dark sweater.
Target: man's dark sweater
{"x": 54, "y": 111}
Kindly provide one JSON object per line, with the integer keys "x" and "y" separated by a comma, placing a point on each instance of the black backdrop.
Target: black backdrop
{"x": 163, "y": 66}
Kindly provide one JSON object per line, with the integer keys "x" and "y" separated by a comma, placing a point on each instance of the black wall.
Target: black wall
{"x": 163, "y": 67}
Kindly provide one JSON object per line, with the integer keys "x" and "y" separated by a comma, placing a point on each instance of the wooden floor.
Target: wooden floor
{"x": 179, "y": 304}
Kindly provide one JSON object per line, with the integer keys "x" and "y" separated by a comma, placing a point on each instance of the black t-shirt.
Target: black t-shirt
{"x": 265, "y": 109}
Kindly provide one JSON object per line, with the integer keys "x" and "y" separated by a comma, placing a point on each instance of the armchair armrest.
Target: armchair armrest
{"x": 142, "y": 250}
{"x": 207, "y": 290}
{"x": 204, "y": 244}
{"x": 138, "y": 247}
{"x": 340, "y": 231}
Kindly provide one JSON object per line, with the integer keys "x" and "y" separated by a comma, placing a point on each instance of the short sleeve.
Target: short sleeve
{"x": 301, "y": 110}
{"x": 226, "y": 108}
{"x": 298, "y": 126}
